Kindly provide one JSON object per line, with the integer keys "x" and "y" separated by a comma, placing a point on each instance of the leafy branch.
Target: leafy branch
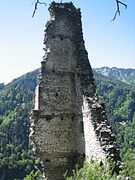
{"x": 118, "y": 3}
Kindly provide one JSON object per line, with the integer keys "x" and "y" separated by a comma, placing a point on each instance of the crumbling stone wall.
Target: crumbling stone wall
{"x": 69, "y": 122}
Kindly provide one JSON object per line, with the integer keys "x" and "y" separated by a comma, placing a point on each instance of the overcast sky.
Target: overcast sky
{"x": 21, "y": 36}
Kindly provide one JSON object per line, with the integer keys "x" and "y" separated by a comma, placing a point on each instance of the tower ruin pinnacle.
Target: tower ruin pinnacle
{"x": 69, "y": 122}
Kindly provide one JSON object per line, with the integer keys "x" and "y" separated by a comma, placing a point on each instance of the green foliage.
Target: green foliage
{"x": 34, "y": 176}
{"x": 129, "y": 163}
{"x": 93, "y": 171}
{"x": 16, "y": 157}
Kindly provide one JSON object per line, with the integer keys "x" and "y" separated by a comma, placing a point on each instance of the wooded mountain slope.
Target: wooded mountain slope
{"x": 16, "y": 158}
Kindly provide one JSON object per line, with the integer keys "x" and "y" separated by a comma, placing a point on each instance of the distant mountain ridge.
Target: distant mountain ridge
{"x": 118, "y": 74}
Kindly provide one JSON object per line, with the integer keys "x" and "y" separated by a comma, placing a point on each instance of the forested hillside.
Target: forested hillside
{"x": 119, "y": 98}
{"x": 16, "y": 158}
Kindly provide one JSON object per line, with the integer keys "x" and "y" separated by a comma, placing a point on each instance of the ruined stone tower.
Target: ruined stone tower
{"x": 69, "y": 122}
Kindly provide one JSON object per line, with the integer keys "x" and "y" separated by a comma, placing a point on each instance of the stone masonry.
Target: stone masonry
{"x": 68, "y": 122}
